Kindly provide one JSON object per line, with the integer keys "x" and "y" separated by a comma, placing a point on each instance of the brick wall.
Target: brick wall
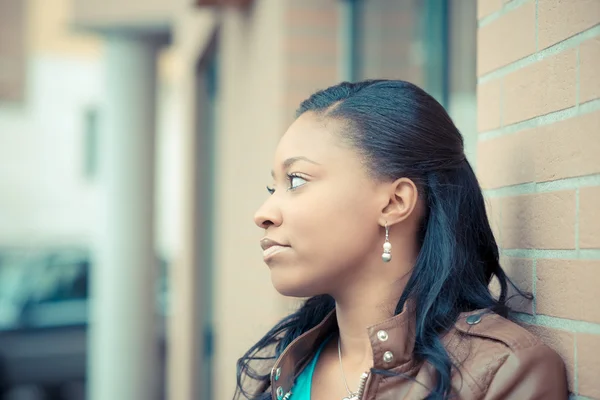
{"x": 389, "y": 45}
{"x": 310, "y": 50}
{"x": 390, "y": 42}
{"x": 539, "y": 163}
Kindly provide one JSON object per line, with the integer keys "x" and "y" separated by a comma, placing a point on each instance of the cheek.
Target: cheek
{"x": 331, "y": 231}
{"x": 333, "y": 227}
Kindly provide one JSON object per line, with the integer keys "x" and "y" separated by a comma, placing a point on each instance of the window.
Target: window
{"x": 431, "y": 43}
{"x": 90, "y": 143}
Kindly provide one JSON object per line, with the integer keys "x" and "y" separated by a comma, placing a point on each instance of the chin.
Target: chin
{"x": 291, "y": 284}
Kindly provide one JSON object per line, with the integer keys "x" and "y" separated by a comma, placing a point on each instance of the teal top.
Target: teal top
{"x": 302, "y": 388}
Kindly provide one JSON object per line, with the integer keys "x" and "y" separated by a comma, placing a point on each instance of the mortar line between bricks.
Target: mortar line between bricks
{"x": 564, "y": 324}
{"x": 586, "y": 254}
{"x": 544, "y": 187}
{"x": 569, "y": 43}
{"x": 506, "y": 8}
{"x": 542, "y": 120}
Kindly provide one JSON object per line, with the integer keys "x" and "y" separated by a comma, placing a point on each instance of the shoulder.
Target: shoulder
{"x": 489, "y": 328}
{"x": 488, "y": 348}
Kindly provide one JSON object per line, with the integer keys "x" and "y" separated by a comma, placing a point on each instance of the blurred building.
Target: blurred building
{"x": 136, "y": 141}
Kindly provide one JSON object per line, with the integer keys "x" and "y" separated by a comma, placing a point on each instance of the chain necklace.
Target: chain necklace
{"x": 351, "y": 395}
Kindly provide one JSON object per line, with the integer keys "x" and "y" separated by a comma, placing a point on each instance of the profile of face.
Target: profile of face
{"x": 323, "y": 220}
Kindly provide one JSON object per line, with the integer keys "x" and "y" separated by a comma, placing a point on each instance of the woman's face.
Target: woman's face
{"x": 325, "y": 211}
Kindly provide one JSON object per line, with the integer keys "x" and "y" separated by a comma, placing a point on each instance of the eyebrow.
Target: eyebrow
{"x": 292, "y": 160}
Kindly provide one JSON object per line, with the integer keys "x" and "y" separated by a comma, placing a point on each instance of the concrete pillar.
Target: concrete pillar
{"x": 123, "y": 350}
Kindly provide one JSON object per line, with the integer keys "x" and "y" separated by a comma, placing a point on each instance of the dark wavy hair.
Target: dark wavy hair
{"x": 404, "y": 132}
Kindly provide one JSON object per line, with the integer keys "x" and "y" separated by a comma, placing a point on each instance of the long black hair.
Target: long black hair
{"x": 401, "y": 131}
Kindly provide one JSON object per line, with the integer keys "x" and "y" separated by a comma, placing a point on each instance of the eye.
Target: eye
{"x": 295, "y": 181}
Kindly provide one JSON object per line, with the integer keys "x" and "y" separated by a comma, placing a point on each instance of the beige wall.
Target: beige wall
{"x": 250, "y": 119}
{"x": 250, "y": 122}
{"x": 310, "y": 50}
{"x": 539, "y": 119}
{"x": 261, "y": 50}
{"x": 272, "y": 57}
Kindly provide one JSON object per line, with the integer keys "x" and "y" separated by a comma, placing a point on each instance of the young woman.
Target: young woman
{"x": 376, "y": 216}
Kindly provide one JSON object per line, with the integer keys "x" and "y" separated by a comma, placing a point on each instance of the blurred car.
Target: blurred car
{"x": 44, "y": 322}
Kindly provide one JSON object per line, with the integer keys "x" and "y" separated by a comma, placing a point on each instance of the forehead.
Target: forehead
{"x": 316, "y": 138}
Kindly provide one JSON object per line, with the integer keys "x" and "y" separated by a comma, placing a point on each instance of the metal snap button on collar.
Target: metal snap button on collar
{"x": 474, "y": 319}
{"x": 382, "y": 336}
{"x": 388, "y": 356}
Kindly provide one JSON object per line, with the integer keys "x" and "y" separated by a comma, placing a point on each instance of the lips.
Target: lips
{"x": 267, "y": 243}
{"x": 271, "y": 247}
{"x": 271, "y": 251}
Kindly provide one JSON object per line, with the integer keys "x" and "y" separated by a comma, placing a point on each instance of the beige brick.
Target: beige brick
{"x": 314, "y": 4}
{"x": 568, "y": 289}
{"x": 588, "y": 364}
{"x": 540, "y": 88}
{"x": 561, "y": 19}
{"x": 488, "y": 105}
{"x": 488, "y": 7}
{"x": 494, "y": 217}
{"x": 310, "y": 77}
{"x": 568, "y": 148}
{"x": 306, "y": 44}
{"x": 507, "y": 39}
{"x": 313, "y": 17}
{"x": 520, "y": 271}
{"x": 561, "y": 150}
{"x": 562, "y": 342}
{"x": 589, "y": 64}
{"x": 506, "y": 160}
{"x": 539, "y": 221}
{"x": 589, "y": 218}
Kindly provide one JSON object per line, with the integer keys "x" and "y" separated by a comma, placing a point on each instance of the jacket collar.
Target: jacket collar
{"x": 392, "y": 342}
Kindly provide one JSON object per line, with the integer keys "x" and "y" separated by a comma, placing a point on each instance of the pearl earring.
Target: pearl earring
{"x": 387, "y": 246}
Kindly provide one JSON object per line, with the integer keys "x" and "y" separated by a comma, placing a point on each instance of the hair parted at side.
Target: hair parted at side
{"x": 402, "y": 131}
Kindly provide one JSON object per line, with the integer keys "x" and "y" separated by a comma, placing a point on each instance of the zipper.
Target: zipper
{"x": 362, "y": 384}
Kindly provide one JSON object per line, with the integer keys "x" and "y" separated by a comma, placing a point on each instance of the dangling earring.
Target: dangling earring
{"x": 387, "y": 246}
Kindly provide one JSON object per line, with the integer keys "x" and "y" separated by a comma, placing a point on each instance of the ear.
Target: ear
{"x": 402, "y": 201}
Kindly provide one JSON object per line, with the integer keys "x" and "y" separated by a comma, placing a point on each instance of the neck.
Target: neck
{"x": 372, "y": 300}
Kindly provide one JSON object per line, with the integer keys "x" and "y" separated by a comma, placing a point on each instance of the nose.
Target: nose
{"x": 267, "y": 215}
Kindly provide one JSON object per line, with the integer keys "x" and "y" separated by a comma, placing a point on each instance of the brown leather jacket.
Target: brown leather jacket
{"x": 497, "y": 358}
